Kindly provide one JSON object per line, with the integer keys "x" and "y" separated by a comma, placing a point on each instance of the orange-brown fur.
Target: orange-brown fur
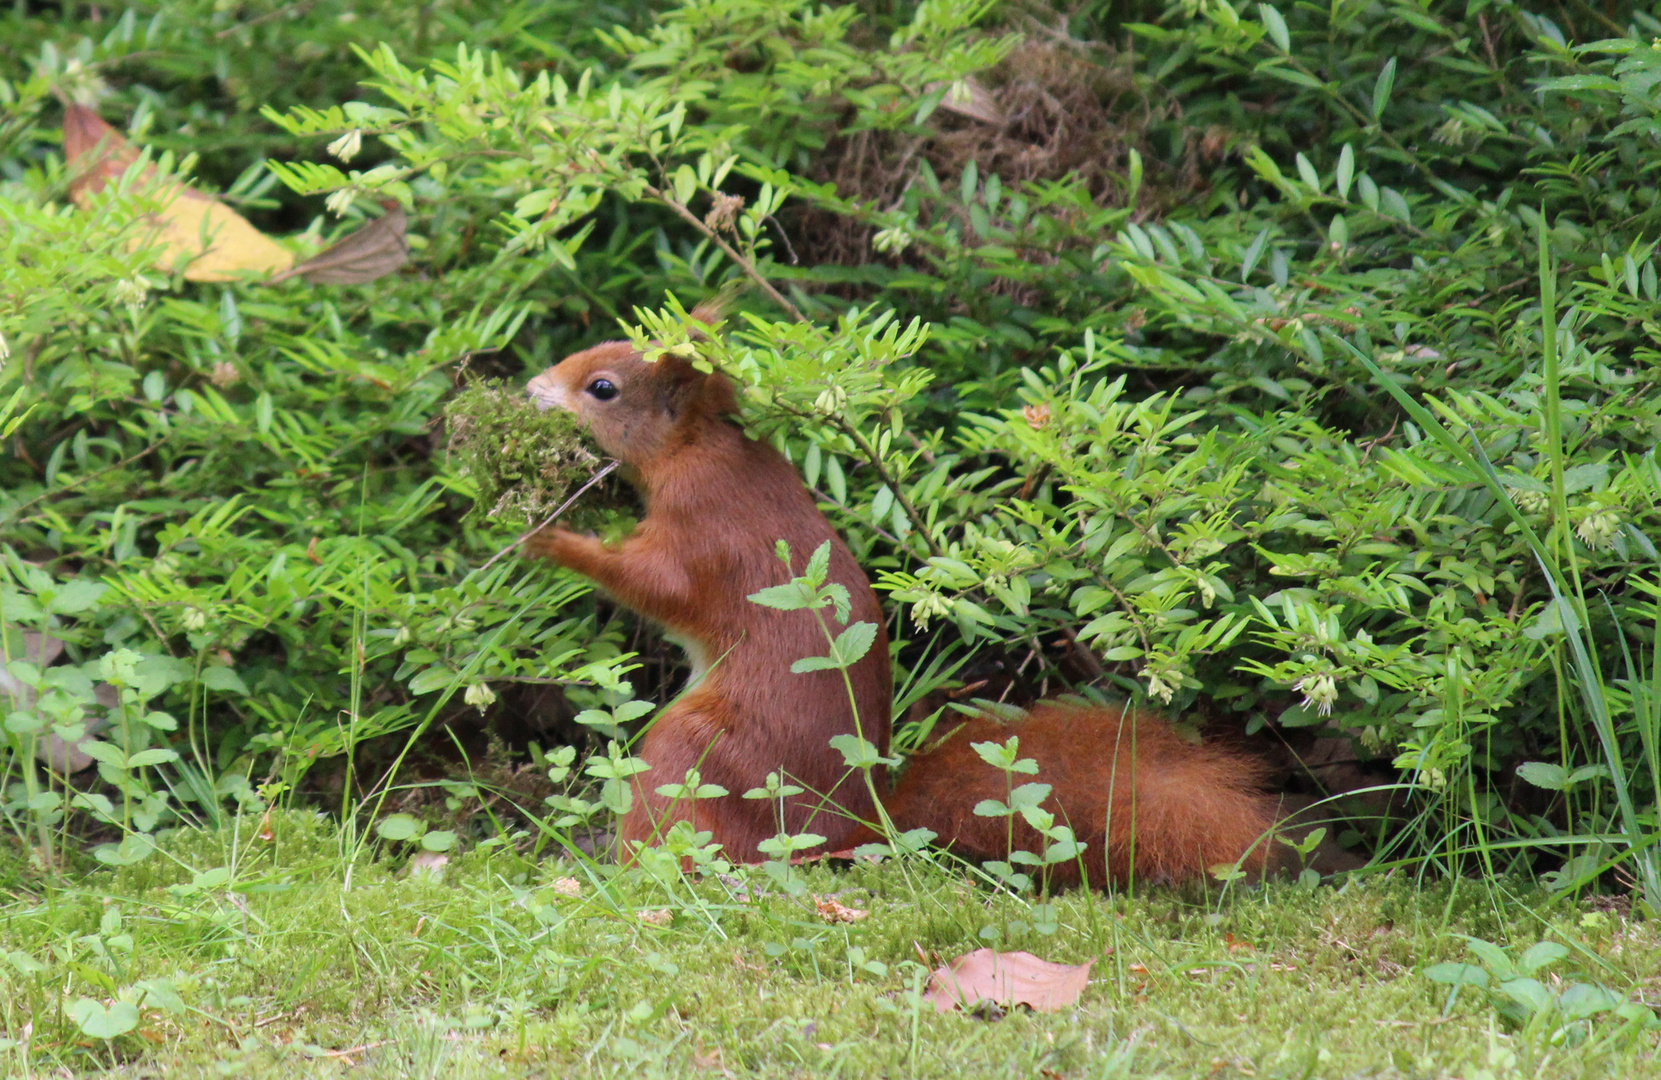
{"x": 716, "y": 503}
{"x": 1140, "y": 797}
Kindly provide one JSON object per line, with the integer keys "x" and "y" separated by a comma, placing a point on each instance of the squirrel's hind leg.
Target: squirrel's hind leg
{"x": 694, "y": 735}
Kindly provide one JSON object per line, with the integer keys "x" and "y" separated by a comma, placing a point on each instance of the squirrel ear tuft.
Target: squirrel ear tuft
{"x": 709, "y": 314}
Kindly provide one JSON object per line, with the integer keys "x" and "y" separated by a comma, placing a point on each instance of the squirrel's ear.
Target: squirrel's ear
{"x": 682, "y": 386}
{"x": 678, "y": 383}
{"x": 720, "y": 397}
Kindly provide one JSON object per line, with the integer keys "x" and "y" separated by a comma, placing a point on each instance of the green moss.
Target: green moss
{"x": 525, "y": 462}
{"x": 308, "y": 956}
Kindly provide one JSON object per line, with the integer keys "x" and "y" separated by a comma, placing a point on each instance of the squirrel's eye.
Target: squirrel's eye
{"x": 603, "y": 389}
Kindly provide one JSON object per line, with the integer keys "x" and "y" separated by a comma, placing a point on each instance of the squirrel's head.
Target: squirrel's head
{"x": 636, "y": 410}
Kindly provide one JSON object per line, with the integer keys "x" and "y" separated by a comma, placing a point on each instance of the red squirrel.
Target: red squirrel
{"x": 1145, "y": 802}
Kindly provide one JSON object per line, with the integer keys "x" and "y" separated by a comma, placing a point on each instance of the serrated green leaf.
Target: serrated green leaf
{"x": 853, "y": 643}
{"x": 791, "y": 596}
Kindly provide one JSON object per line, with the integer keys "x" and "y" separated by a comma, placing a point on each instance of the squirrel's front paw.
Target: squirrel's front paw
{"x": 554, "y": 544}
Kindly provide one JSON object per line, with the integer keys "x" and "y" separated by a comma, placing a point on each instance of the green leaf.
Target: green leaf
{"x": 1557, "y": 617}
{"x": 1581, "y": 1001}
{"x": 1276, "y": 26}
{"x": 1456, "y": 974}
{"x": 1493, "y": 957}
{"x": 1544, "y": 774}
{"x": 858, "y": 753}
{"x": 107, "y": 753}
{"x": 1382, "y": 88}
{"x": 793, "y": 596}
{"x": 1307, "y": 173}
{"x": 24, "y": 963}
{"x": 818, "y": 565}
{"x": 434, "y": 678}
{"x": 74, "y": 597}
{"x": 881, "y": 503}
{"x": 216, "y": 877}
{"x": 1531, "y": 994}
{"x": 1028, "y": 795}
{"x": 134, "y": 848}
{"x": 632, "y": 710}
{"x": 1592, "y": 476}
{"x": 686, "y": 184}
{"x": 1579, "y": 82}
{"x": 400, "y": 827}
{"x": 1291, "y": 75}
{"x": 1247, "y": 263}
{"x": 853, "y": 643}
{"x": 1345, "y": 172}
{"x": 1541, "y": 954}
{"x": 96, "y": 1021}
{"x": 161, "y": 994}
{"x": 223, "y": 678}
{"x": 999, "y": 755}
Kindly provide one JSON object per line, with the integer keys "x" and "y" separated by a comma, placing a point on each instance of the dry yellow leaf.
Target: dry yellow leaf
{"x": 190, "y": 225}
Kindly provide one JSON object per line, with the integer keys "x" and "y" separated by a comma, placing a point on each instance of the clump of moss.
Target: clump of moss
{"x": 525, "y": 462}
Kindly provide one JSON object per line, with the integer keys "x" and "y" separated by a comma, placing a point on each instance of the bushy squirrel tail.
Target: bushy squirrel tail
{"x": 1149, "y": 805}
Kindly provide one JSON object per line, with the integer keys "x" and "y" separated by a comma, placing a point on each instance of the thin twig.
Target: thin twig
{"x": 286, "y": 9}
{"x": 744, "y": 264}
{"x": 918, "y": 521}
{"x": 550, "y": 519}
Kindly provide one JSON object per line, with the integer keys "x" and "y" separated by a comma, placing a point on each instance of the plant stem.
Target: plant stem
{"x": 745, "y": 264}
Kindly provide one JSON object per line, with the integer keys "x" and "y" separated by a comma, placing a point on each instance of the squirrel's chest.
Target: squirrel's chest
{"x": 698, "y": 654}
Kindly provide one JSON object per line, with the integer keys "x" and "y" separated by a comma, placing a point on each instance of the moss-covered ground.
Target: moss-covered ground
{"x": 273, "y": 951}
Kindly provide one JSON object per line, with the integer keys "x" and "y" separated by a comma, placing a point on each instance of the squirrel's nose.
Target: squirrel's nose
{"x": 547, "y": 394}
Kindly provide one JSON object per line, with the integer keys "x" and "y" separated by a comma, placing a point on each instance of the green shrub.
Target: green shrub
{"x": 1120, "y": 414}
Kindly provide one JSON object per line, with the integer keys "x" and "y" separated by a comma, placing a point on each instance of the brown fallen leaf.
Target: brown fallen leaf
{"x": 371, "y": 252}
{"x": 1007, "y": 980}
{"x": 832, "y": 911}
{"x": 217, "y": 241}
